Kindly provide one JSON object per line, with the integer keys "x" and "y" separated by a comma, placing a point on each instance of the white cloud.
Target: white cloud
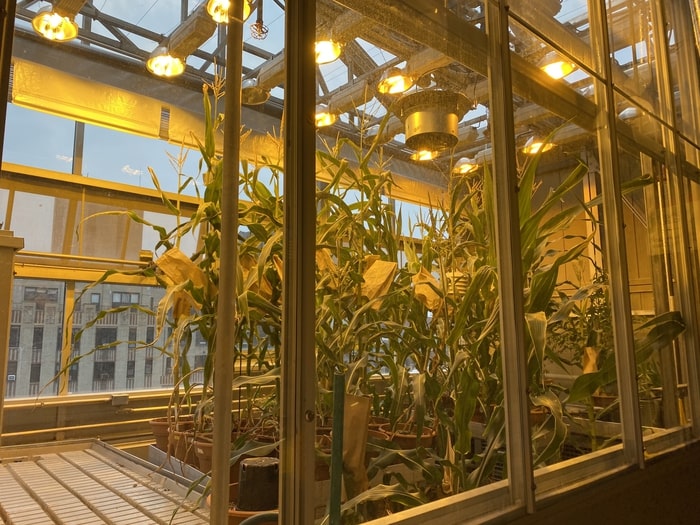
{"x": 132, "y": 171}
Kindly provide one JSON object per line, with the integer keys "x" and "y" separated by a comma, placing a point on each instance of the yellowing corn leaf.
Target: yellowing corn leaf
{"x": 377, "y": 280}
{"x": 324, "y": 260}
{"x": 178, "y": 268}
{"x": 325, "y": 264}
{"x": 183, "y": 304}
{"x": 423, "y": 283}
{"x": 590, "y": 359}
{"x": 265, "y": 288}
{"x": 279, "y": 266}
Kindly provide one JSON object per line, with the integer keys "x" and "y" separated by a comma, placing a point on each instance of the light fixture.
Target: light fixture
{"x": 218, "y": 10}
{"x": 57, "y": 22}
{"x": 533, "y": 146}
{"x": 259, "y": 30}
{"x": 431, "y": 118}
{"x": 556, "y": 67}
{"x": 424, "y": 154}
{"x": 394, "y": 81}
{"x": 252, "y": 93}
{"x": 464, "y": 166}
{"x": 168, "y": 59}
{"x": 327, "y": 51}
{"x": 324, "y": 117}
{"x": 629, "y": 113}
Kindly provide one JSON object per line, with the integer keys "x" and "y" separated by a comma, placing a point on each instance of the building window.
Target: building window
{"x": 76, "y": 342}
{"x": 12, "y": 370}
{"x": 38, "y": 338}
{"x": 130, "y": 369}
{"x": 124, "y": 298}
{"x": 103, "y": 371}
{"x": 40, "y": 294}
{"x": 103, "y": 376}
{"x": 35, "y": 373}
{"x": 104, "y": 335}
{"x": 14, "y": 335}
{"x": 199, "y": 360}
{"x": 199, "y": 338}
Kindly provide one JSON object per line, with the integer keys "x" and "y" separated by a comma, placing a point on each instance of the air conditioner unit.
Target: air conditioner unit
{"x": 11, "y": 377}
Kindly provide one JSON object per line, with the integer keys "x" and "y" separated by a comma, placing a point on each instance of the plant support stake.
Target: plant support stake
{"x": 226, "y": 336}
{"x": 337, "y": 448}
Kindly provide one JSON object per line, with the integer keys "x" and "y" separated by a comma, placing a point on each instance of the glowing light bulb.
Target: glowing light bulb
{"x": 327, "y": 51}
{"x": 54, "y": 26}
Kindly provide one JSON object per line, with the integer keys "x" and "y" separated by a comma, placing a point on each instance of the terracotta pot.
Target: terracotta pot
{"x": 160, "y": 427}
{"x": 203, "y": 449}
{"x": 376, "y": 422}
{"x": 375, "y": 436}
{"x": 404, "y": 436}
{"x": 323, "y": 444}
{"x": 183, "y": 446}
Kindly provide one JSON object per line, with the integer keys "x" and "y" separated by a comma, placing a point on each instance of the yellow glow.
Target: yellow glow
{"x": 464, "y": 166}
{"x": 558, "y": 69}
{"x": 324, "y": 117}
{"x": 53, "y": 26}
{"x": 533, "y": 146}
{"x": 394, "y": 82}
{"x": 327, "y": 51}
{"x": 73, "y": 97}
{"x": 424, "y": 154}
{"x": 164, "y": 65}
{"x": 218, "y": 10}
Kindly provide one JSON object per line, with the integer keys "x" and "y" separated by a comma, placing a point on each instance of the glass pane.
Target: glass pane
{"x": 112, "y": 355}
{"x": 38, "y": 140}
{"x": 638, "y": 125}
{"x": 634, "y": 64}
{"x": 653, "y": 239}
{"x": 566, "y": 23}
{"x": 406, "y": 285}
{"x": 567, "y": 300}
{"x": 93, "y": 227}
{"x": 683, "y": 66}
{"x": 36, "y": 332}
{"x": 128, "y": 159}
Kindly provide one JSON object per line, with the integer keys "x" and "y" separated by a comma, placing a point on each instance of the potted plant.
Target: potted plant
{"x": 187, "y": 311}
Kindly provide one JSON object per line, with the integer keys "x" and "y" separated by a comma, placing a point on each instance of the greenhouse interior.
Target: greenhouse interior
{"x": 452, "y": 245}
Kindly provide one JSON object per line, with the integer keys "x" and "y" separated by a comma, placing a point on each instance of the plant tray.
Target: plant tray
{"x": 90, "y": 482}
